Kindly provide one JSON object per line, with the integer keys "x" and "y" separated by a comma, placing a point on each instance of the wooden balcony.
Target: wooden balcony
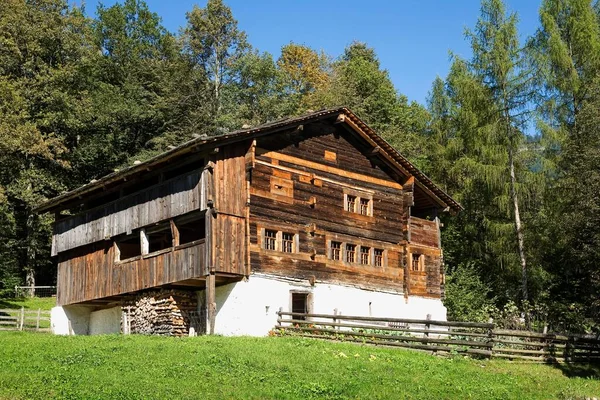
{"x": 96, "y": 275}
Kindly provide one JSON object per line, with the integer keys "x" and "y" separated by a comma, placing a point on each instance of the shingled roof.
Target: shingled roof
{"x": 342, "y": 114}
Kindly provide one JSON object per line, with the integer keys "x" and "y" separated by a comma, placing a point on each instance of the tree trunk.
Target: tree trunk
{"x": 31, "y": 248}
{"x": 518, "y": 227}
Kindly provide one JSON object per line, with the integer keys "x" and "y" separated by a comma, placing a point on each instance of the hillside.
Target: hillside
{"x": 40, "y": 366}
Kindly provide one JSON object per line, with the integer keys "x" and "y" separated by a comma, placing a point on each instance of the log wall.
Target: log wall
{"x": 298, "y": 185}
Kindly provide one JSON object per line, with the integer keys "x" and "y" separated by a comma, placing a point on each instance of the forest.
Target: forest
{"x": 512, "y": 133}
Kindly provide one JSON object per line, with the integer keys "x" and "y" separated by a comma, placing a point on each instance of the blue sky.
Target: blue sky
{"x": 411, "y": 37}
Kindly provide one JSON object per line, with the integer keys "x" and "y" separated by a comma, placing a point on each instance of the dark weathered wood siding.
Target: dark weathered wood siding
{"x": 229, "y": 223}
{"x": 316, "y": 169}
{"x": 174, "y": 197}
{"x": 90, "y": 272}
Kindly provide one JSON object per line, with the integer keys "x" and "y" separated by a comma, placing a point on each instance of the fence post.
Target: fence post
{"x": 37, "y": 323}
{"x": 279, "y": 316}
{"x": 491, "y": 336}
{"x": 427, "y": 325}
{"x": 335, "y": 312}
{"x": 22, "y": 318}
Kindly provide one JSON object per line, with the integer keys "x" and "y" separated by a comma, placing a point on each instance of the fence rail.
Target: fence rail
{"x": 480, "y": 339}
{"x": 22, "y": 319}
{"x": 35, "y": 291}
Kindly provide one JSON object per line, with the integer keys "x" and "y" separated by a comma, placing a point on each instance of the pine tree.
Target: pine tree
{"x": 499, "y": 63}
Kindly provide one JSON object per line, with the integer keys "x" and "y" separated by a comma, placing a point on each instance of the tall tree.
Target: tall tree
{"x": 41, "y": 47}
{"x": 566, "y": 49}
{"x": 214, "y": 43}
{"x": 499, "y": 62}
{"x": 304, "y": 74}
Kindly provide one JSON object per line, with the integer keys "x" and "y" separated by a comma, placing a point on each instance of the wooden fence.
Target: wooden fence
{"x": 22, "y": 319}
{"x": 473, "y": 338}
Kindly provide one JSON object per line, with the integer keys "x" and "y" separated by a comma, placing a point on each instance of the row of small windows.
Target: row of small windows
{"x": 352, "y": 253}
{"x": 348, "y": 252}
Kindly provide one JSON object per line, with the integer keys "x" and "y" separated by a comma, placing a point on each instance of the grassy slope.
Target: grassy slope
{"x": 33, "y": 303}
{"x": 134, "y": 367}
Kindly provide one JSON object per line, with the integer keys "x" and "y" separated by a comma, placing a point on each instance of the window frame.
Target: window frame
{"x": 350, "y": 249}
{"x": 291, "y": 242}
{"x": 420, "y": 262}
{"x": 359, "y": 198}
{"x": 278, "y": 238}
{"x": 268, "y": 240}
{"x": 362, "y": 254}
{"x": 380, "y": 257}
{"x": 335, "y": 250}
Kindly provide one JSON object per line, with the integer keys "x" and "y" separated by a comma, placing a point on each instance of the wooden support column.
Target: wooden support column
{"x": 145, "y": 245}
{"x": 211, "y": 303}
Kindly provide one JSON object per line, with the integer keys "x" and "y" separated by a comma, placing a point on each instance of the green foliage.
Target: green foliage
{"x": 467, "y": 298}
{"x": 37, "y": 366}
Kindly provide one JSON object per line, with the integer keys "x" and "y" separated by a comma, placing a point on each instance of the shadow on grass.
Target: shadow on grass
{"x": 9, "y": 303}
{"x": 578, "y": 370}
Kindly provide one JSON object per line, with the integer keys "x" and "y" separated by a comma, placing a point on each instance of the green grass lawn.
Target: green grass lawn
{"x": 30, "y": 303}
{"x": 41, "y": 366}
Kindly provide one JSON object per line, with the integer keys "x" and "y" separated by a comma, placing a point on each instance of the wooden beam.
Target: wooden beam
{"x": 211, "y": 305}
{"x": 174, "y": 233}
{"x": 329, "y": 169}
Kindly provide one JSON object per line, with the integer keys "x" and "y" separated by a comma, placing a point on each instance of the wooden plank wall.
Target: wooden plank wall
{"x": 160, "y": 202}
{"x": 90, "y": 272}
{"x": 321, "y": 167}
{"x": 229, "y": 225}
{"x": 424, "y": 232}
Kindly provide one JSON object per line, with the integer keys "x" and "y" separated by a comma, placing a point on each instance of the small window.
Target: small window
{"x": 417, "y": 262}
{"x": 364, "y": 255}
{"x": 129, "y": 247}
{"x": 287, "y": 242}
{"x": 191, "y": 230}
{"x": 350, "y": 253}
{"x": 270, "y": 240}
{"x": 350, "y": 203}
{"x": 365, "y": 207}
{"x": 159, "y": 238}
{"x": 336, "y": 248}
{"x": 378, "y": 257}
{"x": 300, "y": 305}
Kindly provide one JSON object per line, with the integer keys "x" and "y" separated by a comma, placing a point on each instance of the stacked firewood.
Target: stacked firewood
{"x": 164, "y": 312}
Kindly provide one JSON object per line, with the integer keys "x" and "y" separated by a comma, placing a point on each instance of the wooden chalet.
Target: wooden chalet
{"x": 304, "y": 214}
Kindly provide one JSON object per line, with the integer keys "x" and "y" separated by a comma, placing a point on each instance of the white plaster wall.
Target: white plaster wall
{"x": 103, "y": 322}
{"x": 354, "y": 301}
{"x": 70, "y": 320}
{"x": 250, "y": 307}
